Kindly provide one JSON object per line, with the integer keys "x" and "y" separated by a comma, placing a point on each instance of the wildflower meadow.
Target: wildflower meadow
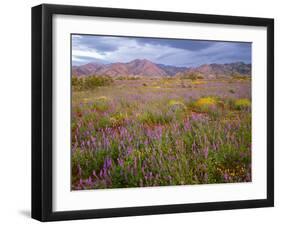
{"x": 139, "y": 132}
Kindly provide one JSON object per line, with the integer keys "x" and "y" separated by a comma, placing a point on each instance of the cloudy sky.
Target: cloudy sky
{"x": 176, "y": 52}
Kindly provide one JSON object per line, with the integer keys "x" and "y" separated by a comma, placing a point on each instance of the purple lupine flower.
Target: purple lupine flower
{"x": 101, "y": 174}
{"x": 94, "y": 174}
{"x": 226, "y": 177}
{"x": 142, "y": 170}
{"x": 107, "y": 164}
{"x": 104, "y": 172}
{"x": 186, "y": 125}
{"x": 120, "y": 162}
{"x": 106, "y": 143}
{"x": 129, "y": 150}
{"x": 89, "y": 181}
{"x": 214, "y": 146}
{"x": 206, "y": 152}
{"x": 145, "y": 142}
{"x": 135, "y": 163}
{"x": 93, "y": 139}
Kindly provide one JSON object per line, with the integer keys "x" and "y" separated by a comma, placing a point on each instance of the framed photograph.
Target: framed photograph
{"x": 145, "y": 112}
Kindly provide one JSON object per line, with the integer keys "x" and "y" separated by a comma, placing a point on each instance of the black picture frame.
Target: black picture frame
{"x": 42, "y": 111}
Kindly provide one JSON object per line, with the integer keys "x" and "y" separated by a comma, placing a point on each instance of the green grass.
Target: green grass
{"x": 139, "y": 135}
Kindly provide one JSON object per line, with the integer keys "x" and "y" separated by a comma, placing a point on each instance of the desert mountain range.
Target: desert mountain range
{"x": 143, "y": 67}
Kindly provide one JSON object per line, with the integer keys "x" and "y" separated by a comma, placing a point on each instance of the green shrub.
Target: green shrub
{"x": 242, "y": 104}
{"x": 155, "y": 118}
{"x": 193, "y": 76}
{"x": 90, "y": 82}
{"x": 238, "y": 76}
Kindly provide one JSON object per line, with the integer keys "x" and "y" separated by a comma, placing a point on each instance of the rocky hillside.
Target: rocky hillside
{"x": 143, "y": 67}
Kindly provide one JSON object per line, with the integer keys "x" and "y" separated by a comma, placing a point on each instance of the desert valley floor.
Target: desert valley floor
{"x": 139, "y": 132}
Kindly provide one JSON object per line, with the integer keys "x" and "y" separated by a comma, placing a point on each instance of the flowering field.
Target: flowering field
{"x": 160, "y": 131}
